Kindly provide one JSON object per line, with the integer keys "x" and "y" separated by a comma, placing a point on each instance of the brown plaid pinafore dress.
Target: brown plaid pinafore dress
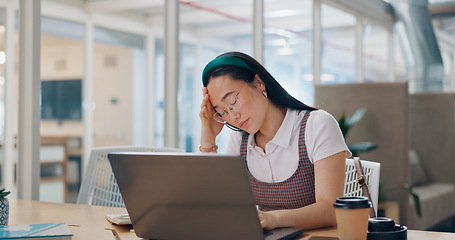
{"x": 294, "y": 192}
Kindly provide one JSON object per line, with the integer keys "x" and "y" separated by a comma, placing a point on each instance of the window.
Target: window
{"x": 288, "y": 46}
{"x": 375, "y": 53}
{"x": 338, "y": 46}
{"x": 217, "y": 27}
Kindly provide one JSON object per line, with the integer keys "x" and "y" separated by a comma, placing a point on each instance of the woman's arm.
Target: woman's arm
{"x": 329, "y": 184}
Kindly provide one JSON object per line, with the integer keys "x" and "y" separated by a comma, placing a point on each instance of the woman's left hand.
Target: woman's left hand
{"x": 267, "y": 219}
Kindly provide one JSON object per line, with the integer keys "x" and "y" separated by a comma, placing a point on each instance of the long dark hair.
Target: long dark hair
{"x": 275, "y": 92}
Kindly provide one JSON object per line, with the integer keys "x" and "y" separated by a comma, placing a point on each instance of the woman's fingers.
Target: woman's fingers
{"x": 210, "y": 127}
{"x": 204, "y": 113}
{"x": 265, "y": 220}
{"x": 206, "y": 101}
{"x": 262, "y": 219}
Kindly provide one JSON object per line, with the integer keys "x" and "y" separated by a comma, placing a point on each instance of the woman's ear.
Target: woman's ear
{"x": 258, "y": 82}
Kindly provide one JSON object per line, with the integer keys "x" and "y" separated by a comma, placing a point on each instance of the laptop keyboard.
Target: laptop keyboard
{"x": 266, "y": 232}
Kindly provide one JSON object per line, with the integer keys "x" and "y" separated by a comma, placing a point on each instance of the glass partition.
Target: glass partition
{"x": 288, "y": 46}
{"x": 207, "y": 29}
{"x": 448, "y": 59}
{"x": 401, "y": 72}
{"x": 62, "y": 71}
{"x": 338, "y": 46}
{"x": 119, "y": 88}
{"x": 375, "y": 50}
{"x": 158, "y": 91}
{"x": 188, "y": 107}
{"x": 2, "y": 73}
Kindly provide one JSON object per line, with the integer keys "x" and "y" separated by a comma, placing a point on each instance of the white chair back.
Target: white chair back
{"x": 371, "y": 170}
{"x": 99, "y": 186}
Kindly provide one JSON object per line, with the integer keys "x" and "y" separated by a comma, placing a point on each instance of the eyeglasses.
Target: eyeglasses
{"x": 233, "y": 104}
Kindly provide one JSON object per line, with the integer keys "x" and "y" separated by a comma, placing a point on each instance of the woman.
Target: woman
{"x": 295, "y": 154}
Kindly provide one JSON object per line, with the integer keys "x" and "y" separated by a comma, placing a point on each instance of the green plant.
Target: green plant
{"x": 408, "y": 189}
{"x": 4, "y": 193}
{"x": 346, "y": 123}
{"x": 415, "y": 198}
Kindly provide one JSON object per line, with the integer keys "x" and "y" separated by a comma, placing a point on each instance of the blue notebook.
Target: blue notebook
{"x": 52, "y": 231}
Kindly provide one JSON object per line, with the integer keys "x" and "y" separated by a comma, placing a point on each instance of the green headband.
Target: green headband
{"x": 224, "y": 61}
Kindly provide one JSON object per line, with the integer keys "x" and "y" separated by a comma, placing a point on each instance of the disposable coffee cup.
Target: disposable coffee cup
{"x": 352, "y": 215}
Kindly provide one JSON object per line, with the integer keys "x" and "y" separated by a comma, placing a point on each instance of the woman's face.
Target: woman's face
{"x": 241, "y": 104}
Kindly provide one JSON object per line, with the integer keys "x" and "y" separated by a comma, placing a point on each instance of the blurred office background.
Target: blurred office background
{"x": 109, "y": 75}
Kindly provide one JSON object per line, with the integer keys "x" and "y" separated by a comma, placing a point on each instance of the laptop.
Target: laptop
{"x": 190, "y": 196}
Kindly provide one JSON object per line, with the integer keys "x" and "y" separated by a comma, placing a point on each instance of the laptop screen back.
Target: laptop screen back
{"x": 186, "y": 195}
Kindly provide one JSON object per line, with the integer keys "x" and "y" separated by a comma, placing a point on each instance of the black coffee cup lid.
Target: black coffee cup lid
{"x": 381, "y": 224}
{"x": 352, "y": 202}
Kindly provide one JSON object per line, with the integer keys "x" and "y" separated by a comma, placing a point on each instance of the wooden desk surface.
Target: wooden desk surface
{"x": 92, "y": 223}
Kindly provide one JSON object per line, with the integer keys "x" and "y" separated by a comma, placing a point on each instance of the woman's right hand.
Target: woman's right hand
{"x": 210, "y": 127}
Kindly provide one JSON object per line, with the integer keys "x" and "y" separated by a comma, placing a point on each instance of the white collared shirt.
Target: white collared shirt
{"x": 280, "y": 159}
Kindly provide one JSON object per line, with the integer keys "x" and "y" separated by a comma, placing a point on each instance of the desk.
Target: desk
{"x": 92, "y": 222}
